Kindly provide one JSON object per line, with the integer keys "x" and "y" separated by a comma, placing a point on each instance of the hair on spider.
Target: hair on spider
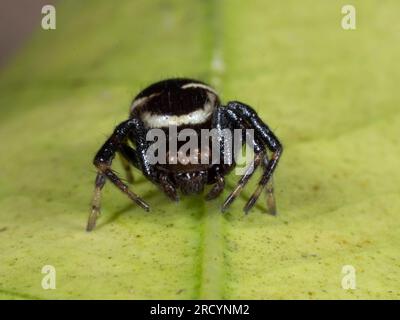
{"x": 185, "y": 104}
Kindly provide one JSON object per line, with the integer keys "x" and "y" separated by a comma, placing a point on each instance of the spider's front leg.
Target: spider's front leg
{"x": 243, "y": 113}
{"x": 127, "y": 168}
{"x": 219, "y": 122}
{"x": 217, "y": 188}
{"x": 95, "y": 211}
{"x": 271, "y": 202}
{"x": 267, "y": 137}
{"x": 103, "y": 161}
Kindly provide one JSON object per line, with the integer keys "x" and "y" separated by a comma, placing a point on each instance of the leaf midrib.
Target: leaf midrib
{"x": 212, "y": 247}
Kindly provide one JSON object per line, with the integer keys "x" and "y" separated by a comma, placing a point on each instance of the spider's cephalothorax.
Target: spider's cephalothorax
{"x": 184, "y": 104}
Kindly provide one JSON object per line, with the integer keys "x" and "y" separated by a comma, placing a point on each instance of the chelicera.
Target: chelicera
{"x": 184, "y": 103}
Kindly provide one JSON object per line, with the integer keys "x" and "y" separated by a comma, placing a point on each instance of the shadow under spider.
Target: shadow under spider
{"x": 130, "y": 206}
{"x": 151, "y": 194}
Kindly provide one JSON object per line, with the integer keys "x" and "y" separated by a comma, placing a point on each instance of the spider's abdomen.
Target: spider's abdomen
{"x": 175, "y": 102}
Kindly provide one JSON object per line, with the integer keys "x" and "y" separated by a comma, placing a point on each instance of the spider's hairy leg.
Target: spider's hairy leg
{"x": 258, "y": 148}
{"x": 168, "y": 188}
{"x": 267, "y": 137}
{"x": 217, "y": 188}
{"x": 220, "y": 122}
{"x": 263, "y": 181}
{"x": 127, "y": 168}
{"x": 129, "y": 157}
{"x": 104, "y": 158}
{"x": 271, "y": 202}
{"x": 242, "y": 182}
{"x": 98, "y": 185}
{"x": 113, "y": 177}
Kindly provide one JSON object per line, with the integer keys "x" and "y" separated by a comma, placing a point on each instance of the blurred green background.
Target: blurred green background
{"x": 329, "y": 94}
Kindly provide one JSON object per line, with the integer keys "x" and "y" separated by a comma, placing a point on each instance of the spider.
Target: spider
{"x": 184, "y": 103}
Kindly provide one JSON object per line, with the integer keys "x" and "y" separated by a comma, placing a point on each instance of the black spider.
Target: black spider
{"x": 184, "y": 103}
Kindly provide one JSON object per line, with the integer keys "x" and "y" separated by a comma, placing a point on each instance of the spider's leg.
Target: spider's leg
{"x": 262, "y": 183}
{"x": 219, "y": 122}
{"x": 103, "y": 160}
{"x": 166, "y": 185}
{"x": 271, "y": 202}
{"x": 129, "y": 157}
{"x": 98, "y": 185}
{"x": 258, "y": 149}
{"x": 242, "y": 182}
{"x": 168, "y": 188}
{"x": 217, "y": 188}
{"x": 105, "y": 155}
{"x": 127, "y": 168}
{"x": 267, "y": 137}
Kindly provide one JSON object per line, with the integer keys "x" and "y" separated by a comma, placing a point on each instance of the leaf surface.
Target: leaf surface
{"x": 330, "y": 95}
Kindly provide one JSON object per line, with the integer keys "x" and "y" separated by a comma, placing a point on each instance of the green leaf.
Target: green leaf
{"x": 330, "y": 95}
